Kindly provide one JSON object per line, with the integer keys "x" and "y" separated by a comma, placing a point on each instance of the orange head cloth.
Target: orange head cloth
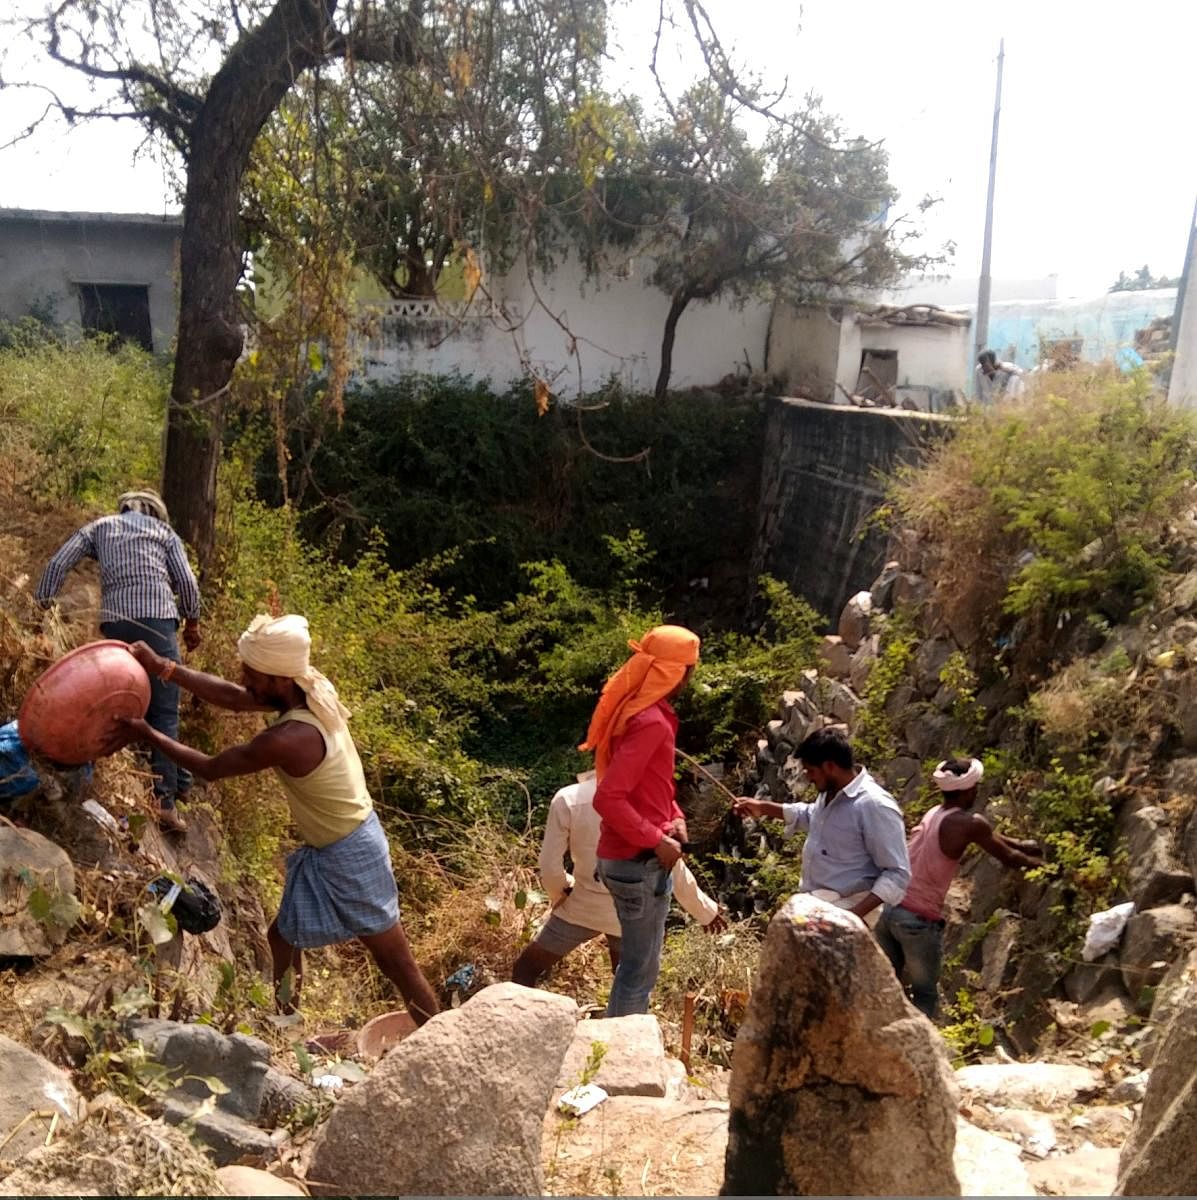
{"x": 658, "y": 665}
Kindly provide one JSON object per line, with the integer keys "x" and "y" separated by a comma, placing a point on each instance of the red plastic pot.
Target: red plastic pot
{"x": 69, "y": 713}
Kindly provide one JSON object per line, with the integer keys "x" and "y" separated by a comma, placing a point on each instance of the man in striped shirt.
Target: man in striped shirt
{"x": 143, "y": 568}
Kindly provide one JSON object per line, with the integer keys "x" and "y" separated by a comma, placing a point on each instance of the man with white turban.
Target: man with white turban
{"x": 339, "y": 883}
{"x": 911, "y": 933}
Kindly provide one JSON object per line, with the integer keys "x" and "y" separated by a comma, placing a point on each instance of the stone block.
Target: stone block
{"x": 1155, "y": 874}
{"x": 240, "y": 1062}
{"x": 29, "y": 861}
{"x": 227, "y": 1136}
{"x": 1038, "y": 1085}
{"x": 634, "y": 1061}
{"x": 835, "y": 655}
{"x": 881, "y": 593}
{"x": 855, "y": 620}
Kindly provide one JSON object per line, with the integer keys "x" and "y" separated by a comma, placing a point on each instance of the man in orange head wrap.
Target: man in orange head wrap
{"x": 632, "y": 734}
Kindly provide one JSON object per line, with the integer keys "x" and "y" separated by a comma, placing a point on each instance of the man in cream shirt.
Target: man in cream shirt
{"x": 582, "y": 907}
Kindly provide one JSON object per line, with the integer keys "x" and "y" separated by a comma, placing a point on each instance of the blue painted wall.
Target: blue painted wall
{"x": 1105, "y": 324}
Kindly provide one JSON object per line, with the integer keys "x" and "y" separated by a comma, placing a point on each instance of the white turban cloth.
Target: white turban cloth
{"x": 282, "y": 646}
{"x": 949, "y": 781}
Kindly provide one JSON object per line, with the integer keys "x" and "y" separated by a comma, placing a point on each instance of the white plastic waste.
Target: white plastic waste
{"x": 328, "y": 1083}
{"x": 1105, "y": 930}
{"x": 581, "y": 1100}
{"x": 101, "y": 816}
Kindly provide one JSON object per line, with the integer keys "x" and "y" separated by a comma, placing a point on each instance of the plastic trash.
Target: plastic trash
{"x": 462, "y": 978}
{"x": 1105, "y": 930}
{"x": 328, "y": 1083}
{"x": 195, "y": 905}
{"x": 580, "y": 1100}
{"x": 101, "y": 816}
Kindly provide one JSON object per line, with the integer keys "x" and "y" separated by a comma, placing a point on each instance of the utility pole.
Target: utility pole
{"x": 1190, "y": 254}
{"x": 982, "y": 325}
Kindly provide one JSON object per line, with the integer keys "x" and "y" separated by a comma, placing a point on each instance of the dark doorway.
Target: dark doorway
{"x": 119, "y": 309}
{"x": 878, "y": 376}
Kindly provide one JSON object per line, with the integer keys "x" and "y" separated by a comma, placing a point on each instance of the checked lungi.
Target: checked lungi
{"x": 340, "y": 892}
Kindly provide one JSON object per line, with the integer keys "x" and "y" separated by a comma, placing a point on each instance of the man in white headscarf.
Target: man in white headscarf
{"x": 911, "y": 933}
{"x": 339, "y": 884}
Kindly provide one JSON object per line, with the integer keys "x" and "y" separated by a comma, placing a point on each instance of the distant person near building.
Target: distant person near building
{"x": 911, "y": 932}
{"x": 143, "y": 568}
{"x": 997, "y": 380}
{"x": 582, "y": 907}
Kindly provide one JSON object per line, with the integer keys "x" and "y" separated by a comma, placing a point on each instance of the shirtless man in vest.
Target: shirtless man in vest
{"x": 911, "y": 933}
{"x": 340, "y": 884}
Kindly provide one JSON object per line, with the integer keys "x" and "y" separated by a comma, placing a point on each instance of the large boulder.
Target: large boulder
{"x": 37, "y": 894}
{"x": 633, "y": 1056}
{"x": 457, "y": 1107}
{"x": 1152, "y": 941}
{"x": 1157, "y": 1158}
{"x": 831, "y": 1044}
{"x": 195, "y": 1052}
{"x": 1155, "y": 874}
{"x": 32, "y": 1092}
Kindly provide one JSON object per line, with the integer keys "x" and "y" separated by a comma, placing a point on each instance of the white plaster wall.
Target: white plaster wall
{"x": 928, "y": 355}
{"x": 1182, "y": 390}
{"x": 47, "y": 259}
{"x": 576, "y": 334}
{"x": 805, "y": 349}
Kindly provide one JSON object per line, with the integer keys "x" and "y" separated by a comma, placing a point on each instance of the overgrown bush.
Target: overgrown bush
{"x": 82, "y": 420}
{"x": 1058, "y": 502}
{"x": 445, "y": 463}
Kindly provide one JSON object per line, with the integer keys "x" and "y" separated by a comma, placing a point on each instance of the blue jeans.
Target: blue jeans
{"x": 914, "y": 944}
{"x": 163, "y": 713}
{"x": 641, "y": 891}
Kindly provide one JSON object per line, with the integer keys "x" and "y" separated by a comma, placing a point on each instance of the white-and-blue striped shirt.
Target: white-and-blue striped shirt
{"x": 142, "y": 567}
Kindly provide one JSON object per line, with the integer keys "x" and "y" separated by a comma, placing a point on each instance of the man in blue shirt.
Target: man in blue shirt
{"x": 855, "y": 852}
{"x": 143, "y": 568}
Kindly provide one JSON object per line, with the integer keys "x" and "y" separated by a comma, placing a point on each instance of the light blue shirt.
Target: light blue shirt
{"x": 855, "y": 842}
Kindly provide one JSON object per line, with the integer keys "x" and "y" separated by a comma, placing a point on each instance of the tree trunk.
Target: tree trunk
{"x": 677, "y": 306}
{"x": 250, "y": 84}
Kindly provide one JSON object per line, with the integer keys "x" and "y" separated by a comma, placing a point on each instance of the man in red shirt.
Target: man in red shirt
{"x": 632, "y": 734}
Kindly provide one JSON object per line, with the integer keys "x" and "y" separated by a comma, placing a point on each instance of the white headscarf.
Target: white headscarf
{"x": 949, "y": 781}
{"x": 281, "y": 646}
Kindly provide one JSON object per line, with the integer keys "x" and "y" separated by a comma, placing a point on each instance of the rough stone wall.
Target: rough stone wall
{"x": 821, "y": 480}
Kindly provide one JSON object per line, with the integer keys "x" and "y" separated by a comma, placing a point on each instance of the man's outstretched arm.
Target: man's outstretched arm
{"x": 287, "y": 746}
{"x": 211, "y": 688}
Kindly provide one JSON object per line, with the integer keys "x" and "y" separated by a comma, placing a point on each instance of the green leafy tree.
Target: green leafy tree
{"x": 800, "y": 213}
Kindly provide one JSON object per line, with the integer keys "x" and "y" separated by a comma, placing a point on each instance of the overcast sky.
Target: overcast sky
{"x": 1096, "y": 169}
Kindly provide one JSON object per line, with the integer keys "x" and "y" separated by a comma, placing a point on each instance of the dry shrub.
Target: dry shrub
{"x": 719, "y": 969}
{"x": 115, "y": 1151}
{"x": 1091, "y": 698}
